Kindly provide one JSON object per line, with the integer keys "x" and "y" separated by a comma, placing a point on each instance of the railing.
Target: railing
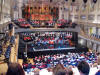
{"x": 87, "y": 37}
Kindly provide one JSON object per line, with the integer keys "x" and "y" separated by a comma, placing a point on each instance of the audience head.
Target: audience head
{"x": 83, "y": 68}
{"x": 59, "y": 70}
{"x": 58, "y": 67}
{"x": 36, "y": 71}
{"x": 15, "y": 69}
{"x": 70, "y": 72}
{"x": 43, "y": 72}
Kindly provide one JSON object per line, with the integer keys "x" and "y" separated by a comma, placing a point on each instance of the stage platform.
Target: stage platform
{"x": 32, "y": 54}
{"x": 69, "y": 48}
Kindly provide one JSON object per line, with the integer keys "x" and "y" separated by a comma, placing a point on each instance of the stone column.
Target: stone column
{"x": 60, "y": 12}
{"x": 89, "y": 44}
{"x": 94, "y": 47}
{"x": 94, "y": 30}
{"x": 1, "y": 13}
{"x": 98, "y": 50}
{"x": 66, "y": 11}
{"x": 86, "y": 29}
{"x": 98, "y": 31}
{"x": 20, "y": 3}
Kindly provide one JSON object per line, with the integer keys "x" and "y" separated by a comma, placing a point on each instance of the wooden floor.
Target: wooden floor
{"x": 3, "y": 68}
{"x": 20, "y": 61}
{"x": 14, "y": 50}
{"x": 13, "y": 56}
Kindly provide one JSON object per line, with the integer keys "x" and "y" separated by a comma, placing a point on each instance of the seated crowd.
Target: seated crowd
{"x": 50, "y": 23}
{"x": 34, "y": 23}
{"x": 22, "y": 23}
{"x": 65, "y": 23}
{"x": 64, "y": 64}
{"x": 61, "y": 23}
{"x": 4, "y": 39}
{"x": 85, "y": 65}
{"x": 48, "y": 40}
{"x": 7, "y": 53}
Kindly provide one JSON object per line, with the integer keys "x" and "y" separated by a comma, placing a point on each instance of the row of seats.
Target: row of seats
{"x": 22, "y": 23}
{"x": 7, "y": 53}
{"x": 8, "y": 50}
{"x": 0, "y": 49}
{"x": 12, "y": 40}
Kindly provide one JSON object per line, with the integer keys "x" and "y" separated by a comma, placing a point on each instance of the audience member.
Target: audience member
{"x": 58, "y": 64}
{"x": 83, "y": 68}
{"x": 15, "y": 69}
{"x": 59, "y": 70}
{"x": 70, "y": 72}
